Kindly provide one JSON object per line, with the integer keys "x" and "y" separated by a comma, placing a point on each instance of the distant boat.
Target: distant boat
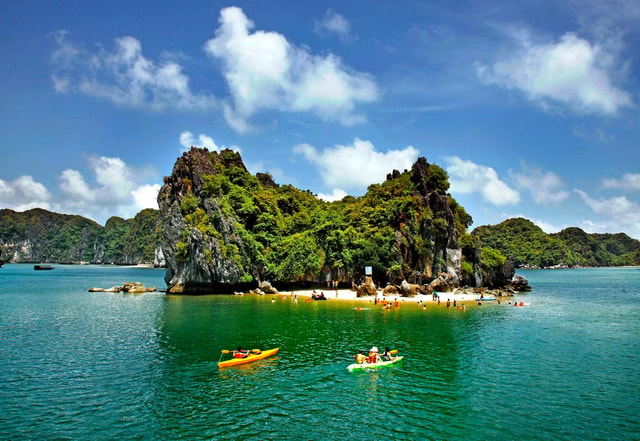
{"x": 42, "y": 267}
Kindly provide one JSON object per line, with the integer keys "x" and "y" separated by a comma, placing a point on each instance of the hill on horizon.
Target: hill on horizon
{"x": 527, "y": 245}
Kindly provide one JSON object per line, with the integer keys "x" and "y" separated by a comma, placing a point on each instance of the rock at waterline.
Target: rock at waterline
{"x": 129, "y": 287}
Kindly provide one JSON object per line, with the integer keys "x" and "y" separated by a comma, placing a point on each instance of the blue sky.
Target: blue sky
{"x": 531, "y": 106}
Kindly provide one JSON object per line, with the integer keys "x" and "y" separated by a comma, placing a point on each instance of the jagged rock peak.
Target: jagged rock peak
{"x": 195, "y": 163}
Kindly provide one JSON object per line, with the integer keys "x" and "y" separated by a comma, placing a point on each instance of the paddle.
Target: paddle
{"x": 226, "y": 351}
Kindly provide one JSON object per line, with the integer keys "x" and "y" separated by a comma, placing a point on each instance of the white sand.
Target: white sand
{"x": 347, "y": 294}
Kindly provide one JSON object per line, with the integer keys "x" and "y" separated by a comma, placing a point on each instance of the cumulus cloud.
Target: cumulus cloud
{"x": 545, "y": 187}
{"x": 336, "y": 195}
{"x": 123, "y": 76}
{"x": 264, "y": 71}
{"x": 187, "y": 140}
{"x": 548, "y": 227}
{"x": 571, "y": 71}
{"x": 145, "y": 196}
{"x": 629, "y": 181}
{"x": 620, "y": 214}
{"x": 358, "y": 165}
{"x": 333, "y": 22}
{"x": 467, "y": 177}
{"x": 24, "y": 193}
{"x": 116, "y": 189}
{"x": 614, "y": 206}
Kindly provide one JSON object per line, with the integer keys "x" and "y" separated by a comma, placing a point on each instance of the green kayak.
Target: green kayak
{"x": 356, "y": 366}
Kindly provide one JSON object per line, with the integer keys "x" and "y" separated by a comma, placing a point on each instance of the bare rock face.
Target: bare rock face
{"x": 196, "y": 263}
{"x": 444, "y": 283}
{"x": 128, "y": 287}
{"x": 409, "y": 289}
{"x": 520, "y": 283}
{"x": 367, "y": 288}
{"x": 266, "y": 287}
{"x": 133, "y": 287}
{"x": 499, "y": 277}
{"x": 390, "y": 290}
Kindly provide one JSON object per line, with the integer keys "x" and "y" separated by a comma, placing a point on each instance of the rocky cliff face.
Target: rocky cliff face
{"x": 225, "y": 230}
{"x": 195, "y": 260}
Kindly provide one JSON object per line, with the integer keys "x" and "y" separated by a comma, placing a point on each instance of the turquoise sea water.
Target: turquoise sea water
{"x": 102, "y": 366}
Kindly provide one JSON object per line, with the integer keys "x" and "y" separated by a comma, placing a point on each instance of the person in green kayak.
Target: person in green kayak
{"x": 373, "y": 355}
{"x": 386, "y": 355}
{"x": 360, "y": 357}
{"x": 239, "y": 353}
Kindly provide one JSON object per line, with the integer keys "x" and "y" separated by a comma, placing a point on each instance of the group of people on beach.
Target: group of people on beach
{"x": 374, "y": 356}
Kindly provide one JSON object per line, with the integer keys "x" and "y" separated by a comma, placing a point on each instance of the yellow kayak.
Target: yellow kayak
{"x": 249, "y": 358}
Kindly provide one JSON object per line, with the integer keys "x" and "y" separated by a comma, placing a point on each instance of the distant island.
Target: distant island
{"x": 527, "y": 246}
{"x": 38, "y": 235}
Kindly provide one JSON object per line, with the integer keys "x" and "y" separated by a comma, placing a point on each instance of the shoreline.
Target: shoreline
{"x": 347, "y": 294}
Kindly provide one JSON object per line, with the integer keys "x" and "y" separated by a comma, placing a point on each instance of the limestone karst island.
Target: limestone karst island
{"x": 225, "y": 230}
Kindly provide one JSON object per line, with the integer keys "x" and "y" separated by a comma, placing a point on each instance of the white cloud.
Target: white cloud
{"x": 145, "y": 196}
{"x": 358, "y": 165}
{"x": 336, "y": 195}
{"x": 74, "y": 186}
{"x": 266, "y": 72}
{"x": 620, "y": 215}
{"x": 545, "y": 187}
{"x": 629, "y": 181}
{"x": 334, "y": 23}
{"x": 548, "y": 227}
{"x": 187, "y": 140}
{"x": 117, "y": 190}
{"x": 123, "y": 76}
{"x": 571, "y": 71}
{"x": 615, "y": 206}
{"x": 467, "y": 177}
{"x": 24, "y": 193}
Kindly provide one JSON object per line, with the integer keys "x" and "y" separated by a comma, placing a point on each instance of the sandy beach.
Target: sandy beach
{"x": 347, "y": 294}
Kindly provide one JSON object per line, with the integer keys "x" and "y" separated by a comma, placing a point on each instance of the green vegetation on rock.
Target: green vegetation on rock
{"x": 526, "y": 245}
{"x": 39, "y": 235}
{"x": 236, "y": 224}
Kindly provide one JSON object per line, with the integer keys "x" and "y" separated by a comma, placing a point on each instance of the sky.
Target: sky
{"x": 532, "y": 107}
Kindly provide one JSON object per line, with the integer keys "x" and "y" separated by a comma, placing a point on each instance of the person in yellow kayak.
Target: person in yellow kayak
{"x": 240, "y": 353}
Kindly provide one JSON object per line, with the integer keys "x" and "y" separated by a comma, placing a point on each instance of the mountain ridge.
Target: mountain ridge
{"x": 527, "y": 246}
